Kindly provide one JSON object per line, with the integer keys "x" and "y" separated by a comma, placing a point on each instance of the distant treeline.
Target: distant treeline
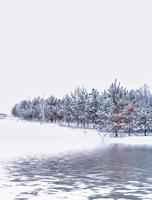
{"x": 2, "y": 115}
{"x": 114, "y": 110}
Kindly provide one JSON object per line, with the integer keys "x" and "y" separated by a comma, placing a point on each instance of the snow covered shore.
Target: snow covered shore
{"x": 132, "y": 140}
{"x": 19, "y": 138}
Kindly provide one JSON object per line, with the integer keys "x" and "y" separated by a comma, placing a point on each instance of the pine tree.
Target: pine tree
{"x": 143, "y": 111}
{"x": 117, "y": 96}
{"x": 79, "y": 105}
{"x": 93, "y": 107}
{"x": 50, "y": 110}
{"x": 67, "y": 109}
{"x": 103, "y": 112}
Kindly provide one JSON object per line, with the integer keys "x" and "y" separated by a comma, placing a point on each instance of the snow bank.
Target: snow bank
{"x": 19, "y": 137}
{"x": 131, "y": 140}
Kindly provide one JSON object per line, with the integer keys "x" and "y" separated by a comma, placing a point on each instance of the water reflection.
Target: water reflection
{"x": 117, "y": 172}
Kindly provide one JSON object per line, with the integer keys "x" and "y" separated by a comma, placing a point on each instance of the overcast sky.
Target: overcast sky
{"x": 50, "y": 47}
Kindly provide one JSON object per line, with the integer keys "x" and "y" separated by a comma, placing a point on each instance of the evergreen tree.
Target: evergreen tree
{"x": 67, "y": 109}
{"x": 117, "y": 96}
{"x": 143, "y": 111}
{"x": 93, "y": 107}
{"x": 50, "y": 109}
{"x": 79, "y": 105}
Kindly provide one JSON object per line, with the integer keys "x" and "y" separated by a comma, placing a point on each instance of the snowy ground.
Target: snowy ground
{"x": 132, "y": 140}
{"x": 19, "y": 137}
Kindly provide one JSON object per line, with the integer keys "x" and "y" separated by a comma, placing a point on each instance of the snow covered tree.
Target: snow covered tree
{"x": 15, "y": 111}
{"x": 67, "y": 109}
{"x": 128, "y": 118}
{"x": 79, "y": 105}
{"x": 51, "y": 109}
{"x": 37, "y": 109}
{"x": 93, "y": 107}
{"x": 103, "y": 112}
{"x": 143, "y": 111}
{"x": 117, "y": 97}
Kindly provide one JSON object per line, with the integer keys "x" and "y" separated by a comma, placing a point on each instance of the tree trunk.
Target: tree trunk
{"x": 145, "y": 131}
{"x": 145, "y": 128}
{"x": 116, "y": 133}
{"x": 129, "y": 130}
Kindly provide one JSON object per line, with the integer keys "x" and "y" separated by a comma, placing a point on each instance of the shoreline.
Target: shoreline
{"x": 104, "y": 136}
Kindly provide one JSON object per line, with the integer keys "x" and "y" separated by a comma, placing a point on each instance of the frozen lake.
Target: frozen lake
{"x": 40, "y": 162}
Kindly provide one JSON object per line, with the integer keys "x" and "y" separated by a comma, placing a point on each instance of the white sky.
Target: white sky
{"x": 50, "y": 47}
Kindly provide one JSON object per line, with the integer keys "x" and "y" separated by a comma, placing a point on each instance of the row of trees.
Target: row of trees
{"x": 114, "y": 110}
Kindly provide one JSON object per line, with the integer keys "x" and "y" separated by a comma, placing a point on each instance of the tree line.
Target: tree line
{"x": 116, "y": 109}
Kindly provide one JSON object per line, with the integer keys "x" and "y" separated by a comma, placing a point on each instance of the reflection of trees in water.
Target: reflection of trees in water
{"x": 112, "y": 167}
